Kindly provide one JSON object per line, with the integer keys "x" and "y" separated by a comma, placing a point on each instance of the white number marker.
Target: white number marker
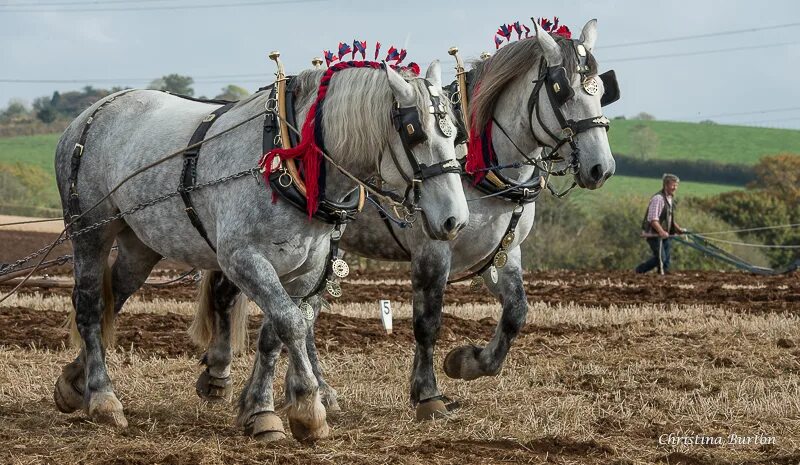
{"x": 386, "y": 315}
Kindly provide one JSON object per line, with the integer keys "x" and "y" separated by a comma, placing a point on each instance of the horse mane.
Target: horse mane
{"x": 509, "y": 63}
{"x": 356, "y": 120}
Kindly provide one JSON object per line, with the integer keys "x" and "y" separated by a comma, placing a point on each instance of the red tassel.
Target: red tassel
{"x": 476, "y": 158}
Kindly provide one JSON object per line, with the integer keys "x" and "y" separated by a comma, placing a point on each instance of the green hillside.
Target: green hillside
{"x": 36, "y": 150}
{"x": 631, "y": 186}
{"x": 695, "y": 141}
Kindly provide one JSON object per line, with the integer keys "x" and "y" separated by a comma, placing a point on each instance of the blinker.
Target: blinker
{"x": 559, "y": 83}
{"x": 611, "y": 93}
{"x": 407, "y": 118}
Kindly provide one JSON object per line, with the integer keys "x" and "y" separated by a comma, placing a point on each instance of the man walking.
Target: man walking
{"x": 659, "y": 223}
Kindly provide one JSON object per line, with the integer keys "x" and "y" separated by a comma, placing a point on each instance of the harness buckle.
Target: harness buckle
{"x": 189, "y": 210}
{"x": 568, "y": 133}
{"x": 77, "y": 151}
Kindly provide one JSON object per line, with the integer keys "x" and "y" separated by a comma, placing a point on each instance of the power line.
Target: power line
{"x": 171, "y": 7}
{"x": 114, "y": 80}
{"x": 703, "y": 52}
{"x": 700, "y": 36}
{"x": 745, "y": 113}
{"x": 84, "y": 2}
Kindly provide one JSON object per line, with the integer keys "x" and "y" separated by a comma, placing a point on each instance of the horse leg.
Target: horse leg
{"x": 469, "y": 362}
{"x": 94, "y": 317}
{"x": 430, "y": 268}
{"x": 256, "y": 403}
{"x": 131, "y": 268}
{"x": 253, "y": 273}
{"x": 327, "y": 393}
{"x": 220, "y": 325}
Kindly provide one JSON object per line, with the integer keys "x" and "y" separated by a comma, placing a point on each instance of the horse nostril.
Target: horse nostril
{"x": 597, "y": 173}
{"x": 450, "y": 224}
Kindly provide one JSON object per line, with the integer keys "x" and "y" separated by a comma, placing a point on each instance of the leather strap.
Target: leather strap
{"x": 73, "y": 203}
{"x": 512, "y": 225}
{"x": 189, "y": 174}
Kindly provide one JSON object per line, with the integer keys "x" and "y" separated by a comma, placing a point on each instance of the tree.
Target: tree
{"x": 174, "y": 83}
{"x": 232, "y": 92}
{"x": 645, "y": 116}
{"x": 44, "y": 110}
{"x": 644, "y": 140}
{"x": 15, "y": 109}
{"x": 779, "y": 174}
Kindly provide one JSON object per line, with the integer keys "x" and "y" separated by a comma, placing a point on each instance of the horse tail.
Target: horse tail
{"x": 240, "y": 339}
{"x": 107, "y": 331}
{"x": 202, "y": 327}
{"x": 201, "y": 330}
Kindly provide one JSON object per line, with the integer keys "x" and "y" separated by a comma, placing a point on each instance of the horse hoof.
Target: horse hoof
{"x": 106, "y": 409}
{"x": 462, "y": 363}
{"x": 67, "y": 397}
{"x": 213, "y": 389}
{"x": 431, "y": 410}
{"x": 311, "y": 426}
{"x": 265, "y": 427}
{"x": 303, "y": 433}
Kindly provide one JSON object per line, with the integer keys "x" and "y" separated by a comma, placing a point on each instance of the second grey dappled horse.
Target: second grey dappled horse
{"x": 507, "y": 80}
{"x": 271, "y": 251}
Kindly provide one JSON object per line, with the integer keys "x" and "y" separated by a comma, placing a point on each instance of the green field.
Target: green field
{"x": 629, "y": 186}
{"x": 717, "y": 142}
{"x": 36, "y": 150}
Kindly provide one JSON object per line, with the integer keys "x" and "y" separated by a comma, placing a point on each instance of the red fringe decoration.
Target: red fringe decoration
{"x": 480, "y": 153}
{"x": 309, "y": 151}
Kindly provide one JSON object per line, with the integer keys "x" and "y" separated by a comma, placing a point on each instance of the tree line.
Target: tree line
{"x": 64, "y": 106}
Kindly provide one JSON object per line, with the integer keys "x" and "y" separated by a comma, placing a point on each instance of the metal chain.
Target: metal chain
{"x": 120, "y": 215}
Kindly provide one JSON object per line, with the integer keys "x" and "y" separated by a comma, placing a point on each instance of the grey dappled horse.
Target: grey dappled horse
{"x": 271, "y": 251}
{"x": 510, "y": 75}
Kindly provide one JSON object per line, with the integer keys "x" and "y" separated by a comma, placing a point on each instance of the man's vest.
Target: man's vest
{"x": 666, "y": 219}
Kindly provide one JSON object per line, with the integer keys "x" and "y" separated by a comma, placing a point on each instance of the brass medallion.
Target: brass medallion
{"x": 340, "y": 268}
{"x": 307, "y": 310}
{"x": 508, "y": 239}
{"x": 500, "y": 259}
{"x": 333, "y": 288}
{"x": 476, "y": 284}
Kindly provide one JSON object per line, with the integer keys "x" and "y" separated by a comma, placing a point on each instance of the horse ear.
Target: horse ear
{"x": 552, "y": 52}
{"x": 589, "y": 35}
{"x": 434, "y": 74}
{"x": 403, "y": 91}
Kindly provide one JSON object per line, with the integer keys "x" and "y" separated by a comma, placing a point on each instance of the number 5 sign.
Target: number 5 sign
{"x": 386, "y": 315}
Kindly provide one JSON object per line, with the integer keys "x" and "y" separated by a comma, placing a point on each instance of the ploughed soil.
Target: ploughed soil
{"x": 576, "y": 387}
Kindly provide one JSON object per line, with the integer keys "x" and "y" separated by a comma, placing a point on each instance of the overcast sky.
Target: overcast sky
{"x": 750, "y": 72}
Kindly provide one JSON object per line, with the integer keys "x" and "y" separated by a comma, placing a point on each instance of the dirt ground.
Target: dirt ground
{"x": 608, "y": 366}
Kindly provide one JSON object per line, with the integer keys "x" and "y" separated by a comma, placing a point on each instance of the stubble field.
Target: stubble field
{"x": 608, "y": 366}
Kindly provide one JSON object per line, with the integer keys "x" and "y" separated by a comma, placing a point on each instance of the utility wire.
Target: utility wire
{"x": 171, "y": 7}
{"x": 700, "y": 36}
{"x": 17, "y": 4}
{"x": 702, "y": 52}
